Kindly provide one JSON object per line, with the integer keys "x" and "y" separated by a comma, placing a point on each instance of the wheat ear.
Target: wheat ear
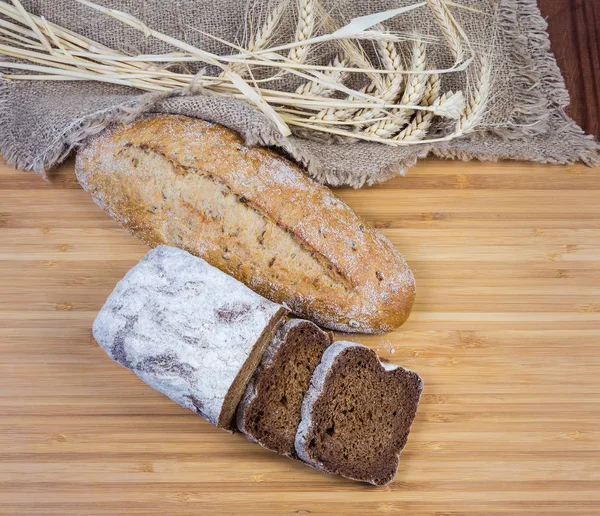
{"x": 392, "y": 84}
{"x": 387, "y": 89}
{"x": 418, "y": 127}
{"x": 306, "y": 25}
{"x": 349, "y": 48}
{"x": 413, "y": 93}
{"x": 477, "y": 105}
{"x": 261, "y": 38}
{"x": 448, "y": 27}
{"x": 75, "y": 57}
{"x": 449, "y": 105}
{"x": 337, "y": 114}
{"x": 317, "y": 88}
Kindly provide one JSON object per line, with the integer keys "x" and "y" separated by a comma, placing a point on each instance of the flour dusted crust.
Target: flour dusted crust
{"x": 357, "y": 414}
{"x": 269, "y": 412}
{"x": 252, "y": 214}
{"x": 187, "y": 329}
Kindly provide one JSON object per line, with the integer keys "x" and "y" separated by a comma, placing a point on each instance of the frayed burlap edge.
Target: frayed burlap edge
{"x": 72, "y": 136}
{"x": 543, "y": 96}
{"x": 7, "y": 147}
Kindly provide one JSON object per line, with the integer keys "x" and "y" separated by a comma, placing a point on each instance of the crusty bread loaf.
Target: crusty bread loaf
{"x": 184, "y": 182}
{"x": 357, "y": 414}
{"x": 188, "y": 330}
{"x": 269, "y": 412}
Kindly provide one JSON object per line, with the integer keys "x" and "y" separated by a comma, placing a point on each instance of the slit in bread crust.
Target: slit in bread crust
{"x": 261, "y": 231}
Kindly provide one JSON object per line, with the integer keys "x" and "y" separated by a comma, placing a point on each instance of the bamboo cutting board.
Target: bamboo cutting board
{"x": 505, "y": 333}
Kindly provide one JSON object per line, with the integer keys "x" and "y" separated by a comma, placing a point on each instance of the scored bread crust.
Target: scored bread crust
{"x": 251, "y": 213}
{"x": 319, "y": 387}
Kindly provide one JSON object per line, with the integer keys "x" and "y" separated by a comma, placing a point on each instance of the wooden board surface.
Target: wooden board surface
{"x": 505, "y": 333}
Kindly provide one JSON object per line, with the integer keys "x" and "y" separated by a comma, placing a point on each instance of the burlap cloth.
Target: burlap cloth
{"x": 42, "y": 122}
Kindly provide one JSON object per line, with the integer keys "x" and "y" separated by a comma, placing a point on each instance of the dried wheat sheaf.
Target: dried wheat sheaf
{"x": 399, "y": 100}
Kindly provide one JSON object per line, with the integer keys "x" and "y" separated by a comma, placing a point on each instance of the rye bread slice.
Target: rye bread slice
{"x": 357, "y": 414}
{"x": 269, "y": 412}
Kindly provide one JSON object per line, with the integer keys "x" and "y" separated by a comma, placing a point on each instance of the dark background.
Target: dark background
{"x": 574, "y": 27}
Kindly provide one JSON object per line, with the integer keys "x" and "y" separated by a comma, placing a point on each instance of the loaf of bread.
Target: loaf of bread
{"x": 202, "y": 338}
{"x": 187, "y": 329}
{"x": 269, "y": 412}
{"x": 247, "y": 211}
{"x": 356, "y": 414}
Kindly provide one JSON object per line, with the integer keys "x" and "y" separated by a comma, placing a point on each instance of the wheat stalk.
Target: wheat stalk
{"x": 448, "y": 27}
{"x": 390, "y": 56}
{"x": 415, "y": 84}
{"x": 386, "y": 89}
{"x": 304, "y": 30}
{"x": 478, "y": 102}
{"x": 352, "y": 51}
{"x": 391, "y": 86}
{"x": 45, "y": 51}
{"x": 345, "y": 112}
{"x": 449, "y": 105}
{"x": 318, "y": 88}
{"x": 418, "y": 127}
{"x": 413, "y": 93}
{"x": 261, "y": 38}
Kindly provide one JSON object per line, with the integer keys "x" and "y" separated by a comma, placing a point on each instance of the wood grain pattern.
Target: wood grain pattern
{"x": 505, "y": 333}
{"x": 574, "y": 28}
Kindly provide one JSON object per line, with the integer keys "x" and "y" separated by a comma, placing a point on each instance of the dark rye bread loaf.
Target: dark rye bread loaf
{"x": 189, "y": 330}
{"x": 357, "y": 414}
{"x": 184, "y": 182}
{"x": 269, "y": 412}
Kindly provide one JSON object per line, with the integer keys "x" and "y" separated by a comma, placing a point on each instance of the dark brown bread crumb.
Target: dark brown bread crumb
{"x": 357, "y": 414}
{"x": 270, "y": 411}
